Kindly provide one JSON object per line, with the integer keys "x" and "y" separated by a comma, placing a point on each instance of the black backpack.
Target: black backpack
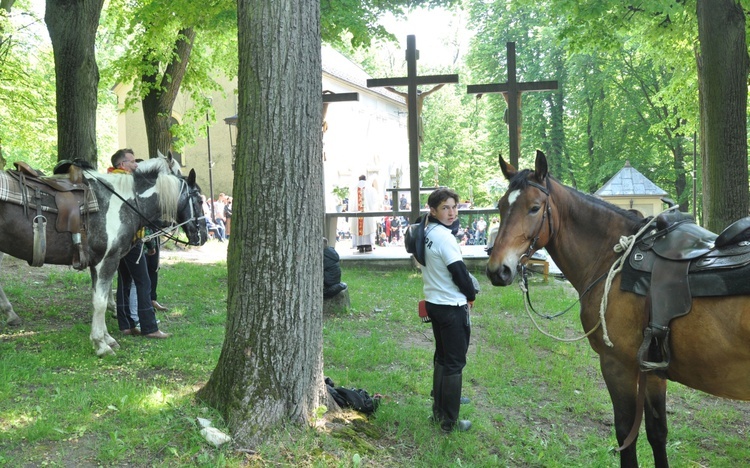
{"x": 414, "y": 239}
{"x": 356, "y": 399}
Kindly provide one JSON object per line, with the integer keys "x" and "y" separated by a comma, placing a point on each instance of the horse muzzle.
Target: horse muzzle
{"x": 500, "y": 274}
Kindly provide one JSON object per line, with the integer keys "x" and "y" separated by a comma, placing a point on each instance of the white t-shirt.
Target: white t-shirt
{"x": 441, "y": 249}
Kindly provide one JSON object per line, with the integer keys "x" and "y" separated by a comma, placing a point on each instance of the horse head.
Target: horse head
{"x": 525, "y": 220}
{"x": 190, "y": 211}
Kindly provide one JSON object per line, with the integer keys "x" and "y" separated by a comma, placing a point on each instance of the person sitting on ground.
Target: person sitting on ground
{"x": 332, "y": 284}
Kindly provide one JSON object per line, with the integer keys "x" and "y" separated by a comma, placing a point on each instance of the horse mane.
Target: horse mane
{"x": 159, "y": 165}
{"x": 168, "y": 192}
{"x": 520, "y": 181}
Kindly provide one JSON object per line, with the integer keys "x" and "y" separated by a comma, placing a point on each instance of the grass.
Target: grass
{"x": 535, "y": 401}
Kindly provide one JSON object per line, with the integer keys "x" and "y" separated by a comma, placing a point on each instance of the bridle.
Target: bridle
{"x": 194, "y": 218}
{"x": 546, "y": 214}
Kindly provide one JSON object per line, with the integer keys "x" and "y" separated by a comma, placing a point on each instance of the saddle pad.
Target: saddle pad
{"x": 10, "y": 191}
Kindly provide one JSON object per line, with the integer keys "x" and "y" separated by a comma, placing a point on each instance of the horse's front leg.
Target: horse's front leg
{"x": 5, "y": 306}
{"x": 656, "y": 419}
{"x": 622, "y": 385}
{"x": 100, "y": 338}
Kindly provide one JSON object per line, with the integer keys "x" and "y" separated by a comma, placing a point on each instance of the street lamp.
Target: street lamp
{"x": 232, "y": 122}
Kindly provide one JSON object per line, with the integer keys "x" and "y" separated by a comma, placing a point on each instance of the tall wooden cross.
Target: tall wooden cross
{"x": 512, "y": 91}
{"x": 411, "y": 81}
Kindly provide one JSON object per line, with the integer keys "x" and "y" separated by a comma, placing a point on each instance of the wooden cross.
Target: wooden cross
{"x": 330, "y": 96}
{"x": 411, "y": 81}
{"x": 512, "y": 91}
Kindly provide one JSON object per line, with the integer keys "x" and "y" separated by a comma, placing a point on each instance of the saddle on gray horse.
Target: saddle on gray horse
{"x": 677, "y": 261}
{"x": 66, "y": 194}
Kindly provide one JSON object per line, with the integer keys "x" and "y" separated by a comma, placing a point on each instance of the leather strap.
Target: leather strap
{"x": 39, "y": 224}
{"x": 639, "y": 405}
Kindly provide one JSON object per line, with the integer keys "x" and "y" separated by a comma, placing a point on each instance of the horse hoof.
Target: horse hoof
{"x": 15, "y": 322}
{"x": 105, "y": 352}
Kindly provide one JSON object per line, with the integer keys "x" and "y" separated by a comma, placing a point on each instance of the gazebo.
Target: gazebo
{"x": 631, "y": 190}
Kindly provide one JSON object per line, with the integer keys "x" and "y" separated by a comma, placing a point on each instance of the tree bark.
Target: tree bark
{"x": 271, "y": 366}
{"x": 72, "y": 28}
{"x": 158, "y": 103}
{"x": 722, "y": 77}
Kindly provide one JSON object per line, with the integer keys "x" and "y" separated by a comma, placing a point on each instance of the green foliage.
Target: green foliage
{"x": 628, "y": 85}
{"x": 340, "y": 192}
{"x": 355, "y": 23}
{"x": 28, "y": 130}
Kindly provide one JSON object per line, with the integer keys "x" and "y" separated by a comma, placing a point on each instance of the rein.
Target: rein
{"x": 523, "y": 285}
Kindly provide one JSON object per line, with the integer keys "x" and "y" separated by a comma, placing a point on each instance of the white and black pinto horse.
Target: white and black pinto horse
{"x": 155, "y": 192}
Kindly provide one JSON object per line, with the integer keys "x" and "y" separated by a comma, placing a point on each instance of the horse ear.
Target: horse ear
{"x": 191, "y": 177}
{"x": 170, "y": 158}
{"x": 540, "y": 170}
{"x": 159, "y": 154}
{"x": 508, "y": 170}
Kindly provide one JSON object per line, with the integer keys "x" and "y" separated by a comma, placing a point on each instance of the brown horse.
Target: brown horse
{"x": 710, "y": 348}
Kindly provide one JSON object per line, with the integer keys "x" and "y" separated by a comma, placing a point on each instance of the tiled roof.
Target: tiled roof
{"x": 628, "y": 181}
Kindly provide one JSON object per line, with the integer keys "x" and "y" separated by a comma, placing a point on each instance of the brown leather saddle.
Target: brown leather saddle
{"x": 68, "y": 195}
{"x": 677, "y": 261}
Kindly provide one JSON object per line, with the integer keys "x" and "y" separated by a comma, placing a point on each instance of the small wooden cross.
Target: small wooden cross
{"x": 512, "y": 91}
{"x": 411, "y": 81}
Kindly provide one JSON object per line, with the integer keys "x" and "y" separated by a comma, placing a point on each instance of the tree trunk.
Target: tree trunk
{"x": 157, "y": 104}
{"x": 72, "y": 29}
{"x": 722, "y": 78}
{"x": 271, "y": 366}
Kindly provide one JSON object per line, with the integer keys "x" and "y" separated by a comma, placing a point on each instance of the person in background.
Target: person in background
{"x": 403, "y": 203}
{"x": 332, "y": 284}
{"x": 364, "y": 229}
{"x": 219, "y": 216}
{"x": 211, "y": 227}
{"x": 228, "y": 217}
{"x": 152, "y": 262}
{"x": 132, "y": 270}
{"x": 449, "y": 296}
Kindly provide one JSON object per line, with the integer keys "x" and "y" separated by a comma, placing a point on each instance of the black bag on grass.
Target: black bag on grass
{"x": 354, "y": 398}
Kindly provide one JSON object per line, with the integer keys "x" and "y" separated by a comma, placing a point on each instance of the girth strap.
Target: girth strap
{"x": 39, "y": 226}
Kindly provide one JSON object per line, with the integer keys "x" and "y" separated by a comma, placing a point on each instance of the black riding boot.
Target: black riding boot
{"x": 437, "y": 393}
{"x": 451, "y": 403}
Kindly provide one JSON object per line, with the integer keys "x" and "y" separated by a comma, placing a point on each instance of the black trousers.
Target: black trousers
{"x": 451, "y": 326}
{"x": 132, "y": 268}
{"x": 152, "y": 262}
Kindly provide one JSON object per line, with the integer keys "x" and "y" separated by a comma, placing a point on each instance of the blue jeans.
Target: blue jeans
{"x": 451, "y": 326}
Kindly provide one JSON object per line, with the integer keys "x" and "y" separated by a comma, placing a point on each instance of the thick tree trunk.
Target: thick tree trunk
{"x": 722, "y": 76}
{"x": 271, "y": 366}
{"x": 72, "y": 29}
{"x": 157, "y": 104}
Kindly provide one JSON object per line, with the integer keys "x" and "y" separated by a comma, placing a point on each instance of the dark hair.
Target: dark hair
{"x": 362, "y": 177}
{"x": 440, "y": 195}
{"x": 120, "y": 155}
